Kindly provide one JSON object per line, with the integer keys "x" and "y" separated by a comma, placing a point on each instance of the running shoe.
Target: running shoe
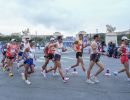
{"x": 89, "y": 81}
{"x": 43, "y": 73}
{"x": 65, "y": 79}
{"x": 11, "y": 74}
{"x": 95, "y": 80}
{"x": 115, "y": 73}
{"x": 23, "y": 76}
{"x": 28, "y": 82}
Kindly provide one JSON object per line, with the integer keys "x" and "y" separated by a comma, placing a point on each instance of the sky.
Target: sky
{"x": 65, "y": 16}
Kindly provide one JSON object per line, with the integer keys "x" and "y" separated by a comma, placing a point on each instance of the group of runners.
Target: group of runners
{"x": 24, "y": 55}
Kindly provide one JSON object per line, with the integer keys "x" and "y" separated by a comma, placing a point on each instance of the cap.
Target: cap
{"x": 12, "y": 40}
{"x": 124, "y": 38}
{"x": 51, "y": 39}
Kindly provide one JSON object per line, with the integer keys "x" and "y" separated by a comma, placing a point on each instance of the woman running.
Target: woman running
{"x": 12, "y": 50}
{"x": 57, "y": 56}
{"x": 78, "y": 47}
{"x": 49, "y": 55}
{"x": 29, "y": 55}
{"x": 124, "y": 57}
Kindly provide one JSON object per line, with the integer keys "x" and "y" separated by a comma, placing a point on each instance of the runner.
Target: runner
{"x": 124, "y": 57}
{"x": 11, "y": 53}
{"x": 26, "y": 65}
{"x": 20, "y": 60}
{"x": 26, "y": 44}
{"x": 49, "y": 55}
{"x": 32, "y": 56}
{"x": 4, "y": 63}
{"x": 57, "y": 56}
{"x": 94, "y": 59}
{"x": 29, "y": 56}
{"x": 78, "y": 47}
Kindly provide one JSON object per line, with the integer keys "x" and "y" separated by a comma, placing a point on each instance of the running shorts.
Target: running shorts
{"x": 95, "y": 57}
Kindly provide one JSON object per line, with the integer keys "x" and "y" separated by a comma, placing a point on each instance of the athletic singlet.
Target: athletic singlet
{"x": 78, "y": 46}
{"x": 59, "y": 48}
{"x": 11, "y": 50}
{"x": 46, "y": 49}
{"x": 32, "y": 53}
{"x": 26, "y": 56}
{"x": 124, "y": 51}
{"x": 51, "y": 48}
{"x": 26, "y": 45}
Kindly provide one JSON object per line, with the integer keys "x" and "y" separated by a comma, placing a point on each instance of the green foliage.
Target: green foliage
{"x": 19, "y": 38}
{"x": 8, "y": 38}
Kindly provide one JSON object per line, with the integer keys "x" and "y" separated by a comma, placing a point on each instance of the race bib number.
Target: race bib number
{"x": 12, "y": 50}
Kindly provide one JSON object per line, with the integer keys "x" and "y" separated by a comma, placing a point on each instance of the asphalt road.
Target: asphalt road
{"x": 53, "y": 88}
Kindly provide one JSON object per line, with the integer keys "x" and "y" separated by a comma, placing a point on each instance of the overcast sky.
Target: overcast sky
{"x": 66, "y": 16}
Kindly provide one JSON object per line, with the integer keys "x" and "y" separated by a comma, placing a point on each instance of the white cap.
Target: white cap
{"x": 12, "y": 40}
{"x": 51, "y": 39}
{"x": 124, "y": 38}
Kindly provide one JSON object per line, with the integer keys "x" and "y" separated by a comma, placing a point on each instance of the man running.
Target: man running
{"x": 94, "y": 59}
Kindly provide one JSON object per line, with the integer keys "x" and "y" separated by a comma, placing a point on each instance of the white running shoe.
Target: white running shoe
{"x": 43, "y": 73}
{"x": 115, "y": 73}
{"x": 28, "y": 82}
{"x": 65, "y": 79}
{"x": 89, "y": 81}
{"x": 95, "y": 80}
{"x": 23, "y": 76}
